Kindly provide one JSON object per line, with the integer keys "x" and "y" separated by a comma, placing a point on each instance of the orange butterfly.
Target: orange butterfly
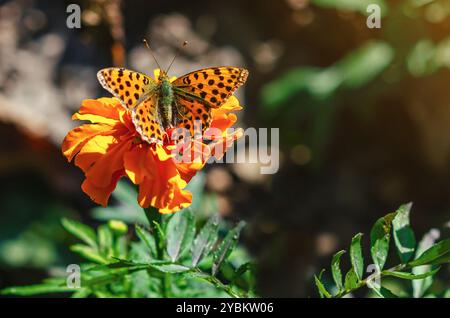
{"x": 158, "y": 105}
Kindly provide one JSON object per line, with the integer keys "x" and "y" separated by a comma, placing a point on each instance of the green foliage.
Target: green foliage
{"x": 165, "y": 256}
{"x": 421, "y": 270}
{"x": 186, "y": 262}
{"x": 354, "y": 70}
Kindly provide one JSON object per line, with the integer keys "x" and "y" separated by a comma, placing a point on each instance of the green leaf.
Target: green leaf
{"x": 336, "y": 270}
{"x": 403, "y": 234}
{"x": 226, "y": 247}
{"x": 147, "y": 238}
{"x": 205, "y": 240}
{"x": 180, "y": 232}
{"x": 383, "y": 292}
{"x": 365, "y": 63}
{"x": 119, "y": 264}
{"x": 436, "y": 251}
{"x": 356, "y": 256}
{"x": 441, "y": 260}
{"x": 36, "y": 290}
{"x": 420, "y": 286}
{"x": 379, "y": 240}
{"x": 88, "y": 253}
{"x": 410, "y": 276}
{"x": 81, "y": 231}
{"x": 105, "y": 240}
{"x": 171, "y": 268}
{"x": 323, "y": 292}
{"x": 242, "y": 270}
{"x": 351, "y": 280}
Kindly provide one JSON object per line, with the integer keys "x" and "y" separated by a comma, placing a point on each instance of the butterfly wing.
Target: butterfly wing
{"x": 147, "y": 122}
{"x": 128, "y": 86}
{"x": 213, "y": 86}
{"x": 196, "y": 117}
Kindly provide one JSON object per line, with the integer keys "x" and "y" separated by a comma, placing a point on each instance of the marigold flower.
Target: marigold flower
{"x": 109, "y": 148}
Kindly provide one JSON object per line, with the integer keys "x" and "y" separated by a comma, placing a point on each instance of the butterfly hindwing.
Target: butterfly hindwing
{"x": 147, "y": 122}
{"x": 128, "y": 86}
{"x": 211, "y": 85}
{"x": 197, "y": 118}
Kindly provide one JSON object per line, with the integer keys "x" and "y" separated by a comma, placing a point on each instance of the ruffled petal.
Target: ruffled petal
{"x": 102, "y": 110}
{"x": 79, "y": 136}
{"x": 160, "y": 184}
{"x": 100, "y": 195}
{"x": 101, "y": 157}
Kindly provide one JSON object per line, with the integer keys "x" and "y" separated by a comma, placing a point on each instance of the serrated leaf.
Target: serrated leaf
{"x": 404, "y": 239}
{"x": 147, "y": 238}
{"x": 436, "y": 251}
{"x": 180, "y": 232}
{"x": 81, "y": 231}
{"x": 323, "y": 292}
{"x": 226, "y": 247}
{"x": 89, "y": 253}
{"x": 356, "y": 256}
{"x": 336, "y": 269}
{"x": 118, "y": 264}
{"x": 351, "y": 280}
{"x": 410, "y": 276}
{"x": 379, "y": 240}
{"x": 205, "y": 239}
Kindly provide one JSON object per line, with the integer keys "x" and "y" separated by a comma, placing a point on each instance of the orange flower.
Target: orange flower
{"x": 109, "y": 147}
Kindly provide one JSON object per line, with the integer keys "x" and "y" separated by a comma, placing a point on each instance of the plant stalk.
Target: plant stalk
{"x": 155, "y": 221}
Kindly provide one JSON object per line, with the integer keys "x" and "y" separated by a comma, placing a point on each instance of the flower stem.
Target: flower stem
{"x": 155, "y": 221}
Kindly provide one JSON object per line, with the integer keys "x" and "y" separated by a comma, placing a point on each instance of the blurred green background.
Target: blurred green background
{"x": 363, "y": 115}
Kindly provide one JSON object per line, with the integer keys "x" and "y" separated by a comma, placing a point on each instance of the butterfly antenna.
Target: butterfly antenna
{"x": 151, "y": 52}
{"x": 176, "y": 55}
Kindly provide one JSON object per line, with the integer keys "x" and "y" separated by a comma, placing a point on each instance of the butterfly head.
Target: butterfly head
{"x": 163, "y": 76}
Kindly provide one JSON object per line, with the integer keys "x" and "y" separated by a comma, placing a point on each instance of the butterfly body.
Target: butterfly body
{"x": 166, "y": 102}
{"x": 181, "y": 103}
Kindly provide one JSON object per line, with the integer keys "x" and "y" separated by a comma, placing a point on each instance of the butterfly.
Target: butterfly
{"x": 156, "y": 106}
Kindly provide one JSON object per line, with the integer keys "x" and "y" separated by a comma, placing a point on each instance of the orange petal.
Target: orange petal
{"x": 79, "y": 136}
{"x": 232, "y": 104}
{"x": 100, "y": 195}
{"x": 160, "y": 185}
{"x": 102, "y": 110}
{"x": 101, "y": 157}
{"x": 138, "y": 163}
{"x": 220, "y": 146}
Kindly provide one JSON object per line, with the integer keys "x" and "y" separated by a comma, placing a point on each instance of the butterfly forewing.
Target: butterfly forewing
{"x": 128, "y": 86}
{"x": 213, "y": 86}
